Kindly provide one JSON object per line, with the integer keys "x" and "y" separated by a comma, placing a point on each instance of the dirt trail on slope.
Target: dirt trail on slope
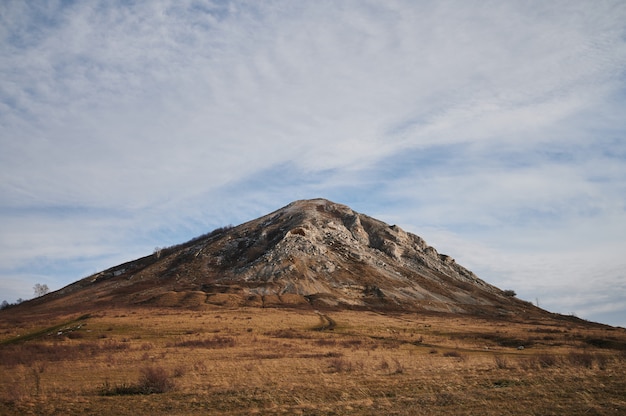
{"x": 326, "y": 323}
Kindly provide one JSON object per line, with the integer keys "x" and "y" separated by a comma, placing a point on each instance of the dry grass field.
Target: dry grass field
{"x": 232, "y": 361}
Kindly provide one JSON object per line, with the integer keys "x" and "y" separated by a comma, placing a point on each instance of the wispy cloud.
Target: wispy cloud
{"x": 125, "y": 126}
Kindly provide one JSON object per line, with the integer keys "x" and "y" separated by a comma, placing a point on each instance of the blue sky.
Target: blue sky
{"x": 494, "y": 130}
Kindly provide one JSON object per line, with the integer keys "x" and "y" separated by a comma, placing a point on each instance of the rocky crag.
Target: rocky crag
{"x": 311, "y": 253}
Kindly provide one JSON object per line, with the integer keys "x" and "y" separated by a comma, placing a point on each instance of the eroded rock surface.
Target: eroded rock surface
{"x": 311, "y": 252}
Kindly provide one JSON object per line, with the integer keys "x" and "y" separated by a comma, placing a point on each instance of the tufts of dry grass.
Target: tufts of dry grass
{"x": 214, "y": 342}
{"x": 210, "y": 362}
{"x": 152, "y": 380}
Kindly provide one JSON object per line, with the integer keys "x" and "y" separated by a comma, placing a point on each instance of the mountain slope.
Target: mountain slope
{"x": 311, "y": 252}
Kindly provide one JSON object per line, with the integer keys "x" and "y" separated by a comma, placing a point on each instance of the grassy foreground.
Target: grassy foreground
{"x": 289, "y": 361}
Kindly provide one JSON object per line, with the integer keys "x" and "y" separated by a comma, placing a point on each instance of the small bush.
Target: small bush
{"x": 153, "y": 380}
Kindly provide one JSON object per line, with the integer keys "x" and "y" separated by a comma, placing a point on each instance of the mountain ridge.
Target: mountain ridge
{"x": 313, "y": 252}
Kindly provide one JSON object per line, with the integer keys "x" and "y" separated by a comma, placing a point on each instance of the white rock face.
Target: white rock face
{"x": 317, "y": 247}
{"x": 312, "y": 251}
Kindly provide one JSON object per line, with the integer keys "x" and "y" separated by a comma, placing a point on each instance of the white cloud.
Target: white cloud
{"x": 159, "y": 117}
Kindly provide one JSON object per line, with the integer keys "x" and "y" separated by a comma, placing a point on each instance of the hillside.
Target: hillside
{"x": 313, "y": 309}
{"x": 312, "y": 253}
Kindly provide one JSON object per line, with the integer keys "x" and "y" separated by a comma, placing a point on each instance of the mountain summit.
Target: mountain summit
{"x": 310, "y": 252}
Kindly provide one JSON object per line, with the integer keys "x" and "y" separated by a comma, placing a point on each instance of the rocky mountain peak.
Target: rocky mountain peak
{"x": 310, "y": 252}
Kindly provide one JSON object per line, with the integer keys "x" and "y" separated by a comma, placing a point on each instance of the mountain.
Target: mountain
{"x": 310, "y": 253}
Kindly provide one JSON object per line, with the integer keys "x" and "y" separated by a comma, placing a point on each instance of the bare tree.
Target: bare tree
{"x": 40, "y": 289}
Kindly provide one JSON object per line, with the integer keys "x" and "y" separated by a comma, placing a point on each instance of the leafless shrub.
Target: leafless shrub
{"x": 152, "y": 380}
{"x": 40, "y": 289}
{"x": 155, "y": 380}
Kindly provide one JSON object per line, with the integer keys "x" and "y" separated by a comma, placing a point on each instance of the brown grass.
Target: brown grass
{"x": 235, "y": 361}
{"x": 153, "y": 380}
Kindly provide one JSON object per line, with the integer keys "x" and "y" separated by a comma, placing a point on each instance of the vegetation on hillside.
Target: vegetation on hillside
{"x": 300, "y": 361}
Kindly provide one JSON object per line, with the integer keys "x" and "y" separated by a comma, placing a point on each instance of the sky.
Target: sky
{"x": 494, "y": 130}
